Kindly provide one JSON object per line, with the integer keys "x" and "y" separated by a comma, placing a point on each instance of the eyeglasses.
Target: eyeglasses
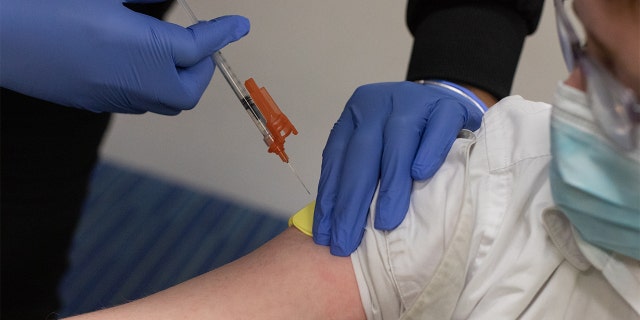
{"x": 615, "y": 106}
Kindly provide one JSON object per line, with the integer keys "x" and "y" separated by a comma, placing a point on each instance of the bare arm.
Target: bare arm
{"x": 288, "y": 278}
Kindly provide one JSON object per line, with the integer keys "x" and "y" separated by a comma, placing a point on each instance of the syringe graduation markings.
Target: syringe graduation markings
{"x": 264, "y": 112}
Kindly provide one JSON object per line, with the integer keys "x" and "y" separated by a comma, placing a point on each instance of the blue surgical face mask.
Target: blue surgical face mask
{"x": 595, "y": 183}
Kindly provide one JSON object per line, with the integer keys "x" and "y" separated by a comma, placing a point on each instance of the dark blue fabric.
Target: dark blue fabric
{"x": 140, "y": 234}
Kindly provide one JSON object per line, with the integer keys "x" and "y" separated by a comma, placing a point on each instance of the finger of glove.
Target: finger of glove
{"x": 371, "y": 106}
{"x": 194, "y": 81}
{"x": 473, "y": 117}
{"x": 206, "y": 37}
{"x": 176, "y": 92}
{"x": 401, "y": 141}
{"x": 360, "y": 173}
{"x": 446, "y": 120}
{"x": 191, "y": 49}
{"x": 328, "y": 186}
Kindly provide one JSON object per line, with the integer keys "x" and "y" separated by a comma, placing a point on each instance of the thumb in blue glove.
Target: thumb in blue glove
{"x": 103, "y": 57}
{"x": 388, "y": 134}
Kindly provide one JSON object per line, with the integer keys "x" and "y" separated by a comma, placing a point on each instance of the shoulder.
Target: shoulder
{"x": 513, "y": 130}
{"x": 517, "y": 107}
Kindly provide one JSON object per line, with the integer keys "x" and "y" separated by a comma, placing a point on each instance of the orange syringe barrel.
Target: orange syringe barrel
{"x": 277, "y": 122}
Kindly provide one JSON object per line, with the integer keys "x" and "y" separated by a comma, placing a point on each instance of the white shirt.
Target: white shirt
{"x": 483, "y": 239}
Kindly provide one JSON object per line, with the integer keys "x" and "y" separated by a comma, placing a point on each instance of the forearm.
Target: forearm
{"x": 288, "y": 278}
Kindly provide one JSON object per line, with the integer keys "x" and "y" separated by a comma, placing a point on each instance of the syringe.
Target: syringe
{"x": 270, "y": 121}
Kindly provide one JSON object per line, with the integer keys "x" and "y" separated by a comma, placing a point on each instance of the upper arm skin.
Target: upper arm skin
{"x": 289, "y": 277}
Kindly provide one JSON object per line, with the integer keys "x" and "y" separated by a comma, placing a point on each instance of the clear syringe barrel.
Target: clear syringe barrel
{"x": 244, "y": 96}
{"x": 237, "y": 86}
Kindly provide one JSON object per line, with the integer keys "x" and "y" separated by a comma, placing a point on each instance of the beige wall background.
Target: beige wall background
{"x": 311, "y": 55}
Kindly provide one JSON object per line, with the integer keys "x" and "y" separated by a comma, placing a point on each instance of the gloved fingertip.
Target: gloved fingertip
{"x": 321, "y": 239}
{"x": 389, "y": 214}
{"x": 342, "y": 251}
{"x": 346, "y": 244}
{"x": 244, "y": 26}
{"x": 241, "y": 25}
{"x": 428, "y": 161}
{"x": 386, "y": 225}
{"x": 423, "y": 172}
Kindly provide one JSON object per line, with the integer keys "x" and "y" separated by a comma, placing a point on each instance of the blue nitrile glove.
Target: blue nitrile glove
{"x": 392, "y": 133}
{"x": 101, "y": 56}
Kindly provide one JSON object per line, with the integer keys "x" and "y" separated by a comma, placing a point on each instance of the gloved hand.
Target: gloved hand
{"x": 101, "y": 56}
{"x": 391, "y": 133}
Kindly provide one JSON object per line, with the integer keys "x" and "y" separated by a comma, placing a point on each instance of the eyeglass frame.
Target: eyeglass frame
{"x": 614, "y": 105}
